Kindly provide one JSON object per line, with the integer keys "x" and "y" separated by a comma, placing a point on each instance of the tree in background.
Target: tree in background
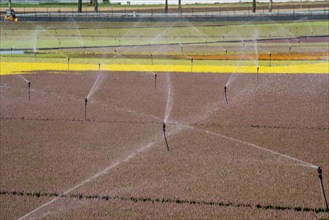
{"x": 166, "y": 6}
{"x": 253, "y": 6}
{"x": 96, "y": 5}
{"x": 179, "y": 6}
{"x": 79, "y": 6}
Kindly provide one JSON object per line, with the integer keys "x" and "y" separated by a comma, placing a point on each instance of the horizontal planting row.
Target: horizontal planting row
{"x": 170, "y": 123}
{"x": 157, "y": 200}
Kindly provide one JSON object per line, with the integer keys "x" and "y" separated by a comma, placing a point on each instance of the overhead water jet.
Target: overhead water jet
{"x": 170, "y": 98}
{"x": 225, "y": 93}
{"x": 322, "y": 189}
{"x": 28, "y": 83}
{"x": 93, "y": 88}
{"x": 164, "y": 134}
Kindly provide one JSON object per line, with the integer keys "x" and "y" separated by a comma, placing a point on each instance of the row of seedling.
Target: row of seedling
{"x": 157, "y": 200}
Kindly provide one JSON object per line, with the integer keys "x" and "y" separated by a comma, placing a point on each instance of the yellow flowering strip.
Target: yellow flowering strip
{"x": 8, "y": 68}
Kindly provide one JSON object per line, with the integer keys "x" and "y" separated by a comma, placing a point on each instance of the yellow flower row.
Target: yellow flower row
{"x": 7, "y": 68}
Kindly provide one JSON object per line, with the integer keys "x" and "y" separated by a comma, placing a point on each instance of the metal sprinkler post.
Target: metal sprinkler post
{"x": 164, "y": 134}
{"x": 155, "y": 81}
{"x": 257, "y": 72}
{"x": 29, "y": 86}
{"x": 324, "y": 198}
{"x": 191, "y": 64}
{"x": 68, "y": 63}
{"x": 225, "y": 92}
{"x": 86, "y": 101}
{"x": 270, "y": 59}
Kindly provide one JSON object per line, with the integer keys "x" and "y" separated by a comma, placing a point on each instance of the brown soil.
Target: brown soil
{"x": 47, "y": 147}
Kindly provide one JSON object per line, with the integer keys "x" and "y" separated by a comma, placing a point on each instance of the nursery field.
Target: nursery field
{"x": 166, "y": 121}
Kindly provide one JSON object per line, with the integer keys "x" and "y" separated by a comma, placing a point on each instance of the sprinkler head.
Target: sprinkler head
{"x": 225, "y": 88}
{"x": 86, "y": 100}
{"x": 319, "y": 171}
{"x": 29, "y": 84}
{"x": 164, "y": 127}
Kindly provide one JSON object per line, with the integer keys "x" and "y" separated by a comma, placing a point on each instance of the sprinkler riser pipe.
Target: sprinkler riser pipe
{"x": 164, "y": 135}
{"x": 225, "y": 93}
{"x": 324, "y": 198}
{"x": 29, "y": 86}
{"x": 86, "y": 101}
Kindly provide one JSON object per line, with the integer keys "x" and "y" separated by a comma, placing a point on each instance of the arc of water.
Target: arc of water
{"x": 301, "y": 162}
{"x": 169, "y": 98}
{"x": 104, "y": 171}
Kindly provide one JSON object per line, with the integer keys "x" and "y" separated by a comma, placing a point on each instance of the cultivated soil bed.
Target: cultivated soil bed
{"x": 224, "y": 159}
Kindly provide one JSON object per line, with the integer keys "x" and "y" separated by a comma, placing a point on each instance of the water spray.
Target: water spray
{"x": 29, "y": 86}
{"x": 155, "y": 81}
{"x": 257, "y": 73}
{"x": 322, "y": 190}
{"x": 164, "y": 134}
{"x": 86, "y": 101}
{"x": 225, "y": 92}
